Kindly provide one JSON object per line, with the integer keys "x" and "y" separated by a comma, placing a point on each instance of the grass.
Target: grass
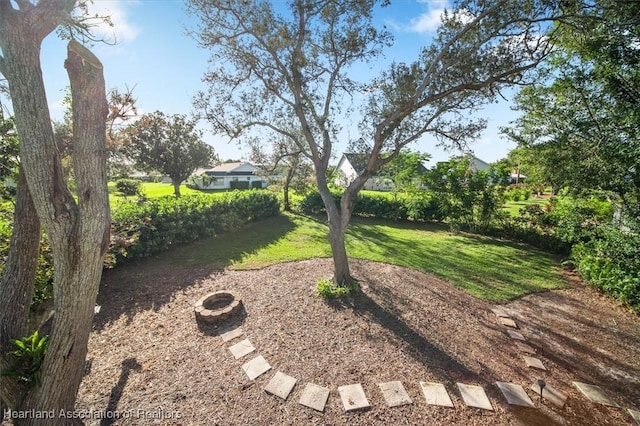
{"x": 150, "y": 190}
{"x": 487, "y": 268}
{"x": 513, "y": 207}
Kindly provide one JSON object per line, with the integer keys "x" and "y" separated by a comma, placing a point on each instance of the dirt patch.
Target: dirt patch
{"x": 152, "y": 363}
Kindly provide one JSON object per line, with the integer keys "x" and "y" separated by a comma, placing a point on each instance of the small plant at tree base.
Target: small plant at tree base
{"x": 28, "y": 356}
{"x": 327, "y": 289}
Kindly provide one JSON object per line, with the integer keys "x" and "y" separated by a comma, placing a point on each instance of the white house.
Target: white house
{"x": 351, "y": 165}
{"x": 240, "y": 175}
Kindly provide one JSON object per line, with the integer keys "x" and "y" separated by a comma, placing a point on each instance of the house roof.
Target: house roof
{"x": 226, "y": 169}
{"x": 357, "y": 160}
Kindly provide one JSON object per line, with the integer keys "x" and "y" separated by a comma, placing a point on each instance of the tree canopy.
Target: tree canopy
{"x": 170, "y": 145}
{"x": 289, "y": 68}
{"x": 580, "y": 121}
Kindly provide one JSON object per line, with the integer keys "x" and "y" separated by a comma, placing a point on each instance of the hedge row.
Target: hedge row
{"x": 141, "y": 230}
{"x": 419, "y": 207}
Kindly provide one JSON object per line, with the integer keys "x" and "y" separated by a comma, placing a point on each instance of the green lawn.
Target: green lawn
{"x": 150, "y": 190}
{"x": 488, "y": 268}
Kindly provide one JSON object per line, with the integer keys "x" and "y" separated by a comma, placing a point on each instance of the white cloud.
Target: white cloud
{"x": 123, "y": 30}
{"x": 427, "y": 21}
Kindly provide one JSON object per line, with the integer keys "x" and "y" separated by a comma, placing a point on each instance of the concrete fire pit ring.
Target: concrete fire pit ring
{"x": 217, "y": 306}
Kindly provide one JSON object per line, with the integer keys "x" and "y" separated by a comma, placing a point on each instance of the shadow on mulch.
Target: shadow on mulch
{"x": 444, "y": 366}
{"x": 128, "y": 365}
{"x": 150, "y": 283}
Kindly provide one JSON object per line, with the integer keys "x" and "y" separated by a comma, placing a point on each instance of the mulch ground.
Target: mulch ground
{"x": 151, "y": 363}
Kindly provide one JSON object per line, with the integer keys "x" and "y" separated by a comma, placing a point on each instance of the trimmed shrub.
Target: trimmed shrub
{"x": 141, "y": 230}
{"x": 129, "y": 186}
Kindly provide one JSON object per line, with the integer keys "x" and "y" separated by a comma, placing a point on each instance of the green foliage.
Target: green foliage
{"x": 43, "y": 286}
{"x": 170, "y": 145}
{"x": 580, "y": 119}
{"x": 517, "y": 193}
{"x": 611, "y": 263}
{"x": 129, "y": 186}
{"x": 143, "y": 229}
{"x": 27, "y": 358}
{"x": 578, "y": 219}
{"x": 327, "y": 289}
{"x": 405, "y": 170}
{"x": 418, "y": 206}
{"x": 469, "y": 199}
{"x": 9, "y": 150}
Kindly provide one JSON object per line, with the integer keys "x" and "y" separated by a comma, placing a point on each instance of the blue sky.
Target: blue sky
{"x": 156, "y": 57}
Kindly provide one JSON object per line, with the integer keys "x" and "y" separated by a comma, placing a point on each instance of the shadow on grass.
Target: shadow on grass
{"x": 150, "y": 283}
{"x": 492, "y": 269}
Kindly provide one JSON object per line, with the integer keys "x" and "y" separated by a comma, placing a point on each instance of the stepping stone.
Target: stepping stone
{"x": 281, "y": 385}
{"x": 595, "y": 394}
{"x": 230, "y": 334}
{"x": 395, "y": 394}
{"x": 515, "y": 394}
{"x": 635, "y": 414}
{"x": 242, "y": 348}
{"x": 353, "y": 397}
{"x": 550, "y": 394}
{"x": 516, "y": 336}
{"x": 436, "y": 394}
{"x": 508, "y": 322}
{"x": 534, "y": 363}
{"x": 256, "y": 367}
{"x": 474, "y": 396}
{"x": 523, "y": 347}
{"x": 314, "y": 396}
{"x": 500, "y": 312}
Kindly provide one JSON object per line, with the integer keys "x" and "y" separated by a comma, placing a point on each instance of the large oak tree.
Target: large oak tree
{"x": 288, "y": 67}
{"x": 170, "y": 145}
{"x": 78, "y": 229}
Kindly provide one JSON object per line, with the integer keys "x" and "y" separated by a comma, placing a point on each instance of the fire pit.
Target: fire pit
{"x": 217, "y": 306}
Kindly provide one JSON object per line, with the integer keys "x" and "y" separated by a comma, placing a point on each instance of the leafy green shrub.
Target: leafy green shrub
{"x": 44, "y": 271}
{"x": 129, "y": 186}
{"x": 27, "y": 358}
{"x": 416, "y": 206}
{"x": 611, "y": 263}
{"x": 142, "y": 229}
{"x": 327, "y": 289}
{"x": 577, "y": 220}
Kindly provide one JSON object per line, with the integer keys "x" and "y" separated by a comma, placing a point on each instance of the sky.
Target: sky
{"x": 164, "y": 66}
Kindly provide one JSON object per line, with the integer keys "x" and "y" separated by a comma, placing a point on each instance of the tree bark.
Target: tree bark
{"x": 338, "y": 219}
{"x": 176, "y": 188}
{"x": 16, "y": 285}
{"x": 78, "y": 231}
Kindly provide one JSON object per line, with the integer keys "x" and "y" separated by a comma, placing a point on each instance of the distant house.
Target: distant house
{"x": 477, "y": 165}
{"x": 352, "y": 165}
{"x": 240, "y": 175}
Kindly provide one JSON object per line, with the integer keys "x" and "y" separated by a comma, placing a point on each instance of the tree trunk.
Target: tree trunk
{"x": 338, "y": 219}
{"x": 176, "y": 188}
{"x": 79, "y": 232}
{"x": 16, "y": 285}
{"x": 287, "y": 183}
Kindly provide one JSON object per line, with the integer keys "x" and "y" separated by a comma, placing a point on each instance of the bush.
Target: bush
{"x": 43, "y": 289}
{"x": 327, "y": 289}
{"x": 129, "y": 186}
{"x": 141, "y": 230}
{"x": 417, "y": 206}
{"x": 611, "y": 263}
